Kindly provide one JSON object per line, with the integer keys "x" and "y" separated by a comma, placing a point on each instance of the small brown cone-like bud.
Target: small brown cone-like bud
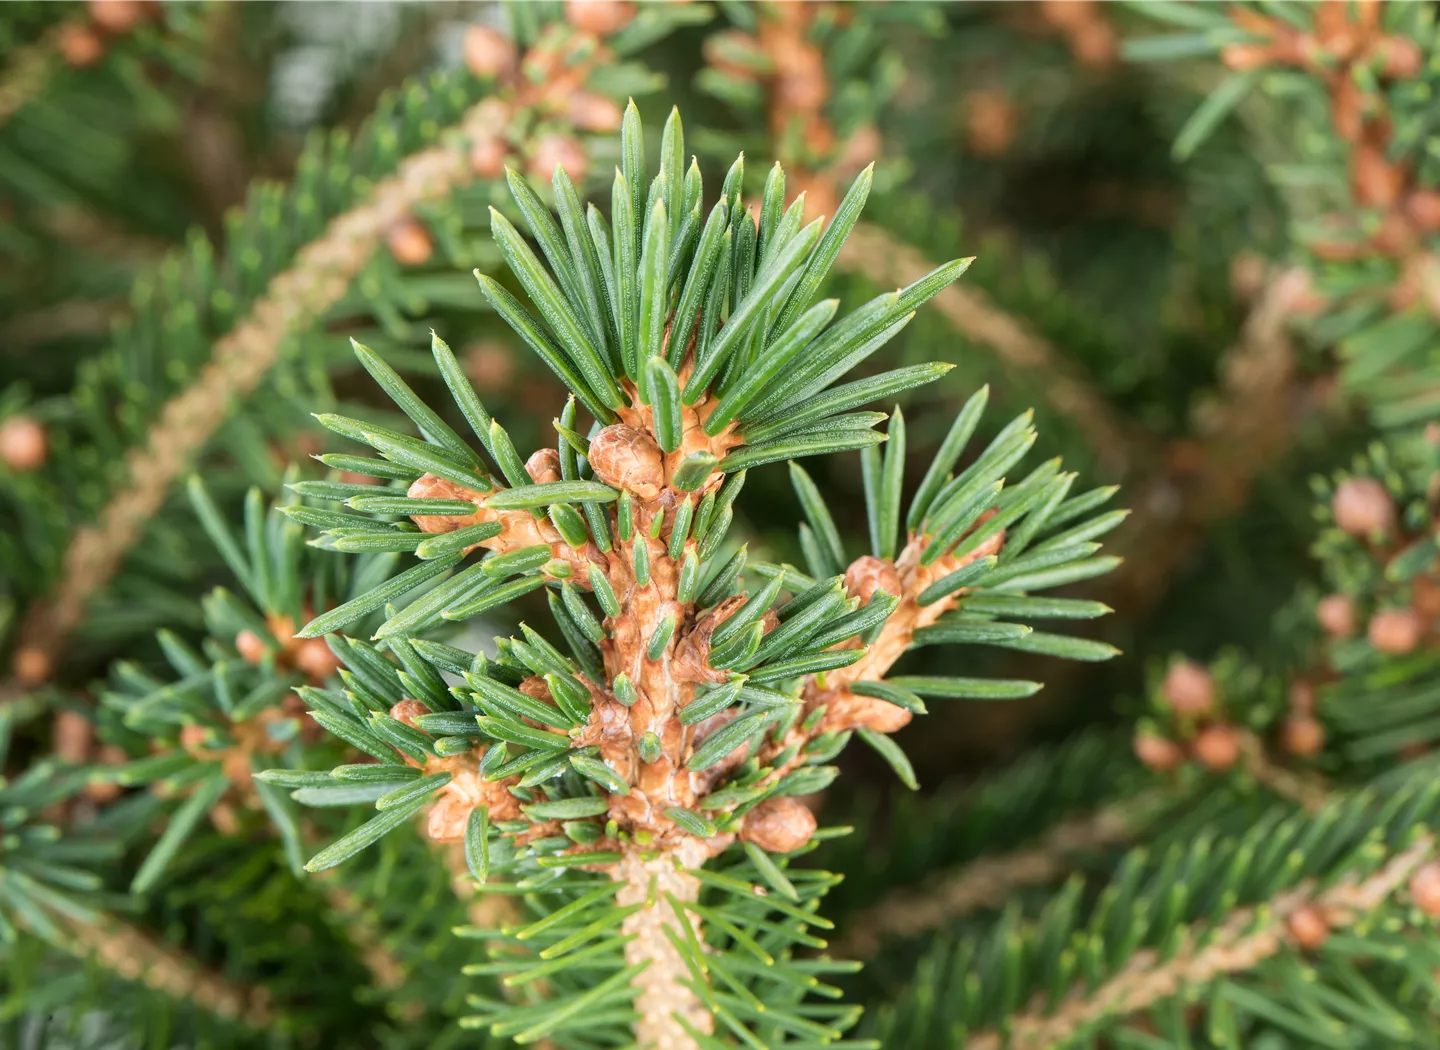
{"x": 410, "y": 243}
{"x": 488, "y": 52}
{"x": 990, "y": 122}
{"x": 407, "y": 711}
{"x": 490, "y": 365}
{"x": 79, "y": 44}
{"x": 1302, "y": 736}
{"x": 1158, "y": 753}
{"x": 314, "y": 658}
{"x": 558, "y": 151}
{"x": 1095, "y": 45}
{"x": 32, "y": 666}
{"x": 1307, "y": 927}
{"x": 1188, "y": 688}
{"x": 1336, "y": 614}
{"x": 1423, "y": 207}
{"x": 117, "y": 16}
{"x": 779, "y": 825}
{"x": 23, "y": 444}
{"x": 1425, "y": 889}
{"x": 1217, "y": 747}
{"x": 1400, "y": 57}
{"x": 487, "y": 157}
{"x": 1396, "y": 630}
{"x": 250, "y": 647}
{"x": 72, "y": 735}
{"x": 543, "y": 466}
{"x": 1425, "y": 596}
{"x": 1362, "y": 507}
{"x": 868, "y": 574}
{"x": 626, "y": 458}
{"x": 591, "y": 112}
{"x": 600, "y": 17}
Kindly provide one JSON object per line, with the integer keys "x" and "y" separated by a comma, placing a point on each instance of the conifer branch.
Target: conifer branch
{"x": 1248, "y": 937}
{"x": 989, "y": 882}
{"x": 135, "y": 956}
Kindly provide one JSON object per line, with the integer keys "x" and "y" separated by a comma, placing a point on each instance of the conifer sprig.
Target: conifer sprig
{"x": 681, "y": 711}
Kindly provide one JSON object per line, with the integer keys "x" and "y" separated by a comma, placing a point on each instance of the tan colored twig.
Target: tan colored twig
{"x": 136, "y": 956}
{"x": 881, "y": 258}
{"x": 320, "y": 275}
{"x": 1308, "y": 790}
{"x": 1245, "y": 939}
{"x": 988, "y": 882}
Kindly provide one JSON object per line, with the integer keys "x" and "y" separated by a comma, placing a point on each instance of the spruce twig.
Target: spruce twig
{"x": 1248, "y": 937}
{"x": 989, "y": 882}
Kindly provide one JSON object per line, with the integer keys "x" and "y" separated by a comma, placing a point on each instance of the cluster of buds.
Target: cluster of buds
{"x": 782, "y": 59}
{"x": 83, "y": 41}
{"x": 1188, "y": 694}
{"x": 309, "y": 656}
{"x": 1364, "y": 509}
{"x": 1344, "y": 40}
{"x": 1087, "y": 30}
{"x": 548, "y": 79}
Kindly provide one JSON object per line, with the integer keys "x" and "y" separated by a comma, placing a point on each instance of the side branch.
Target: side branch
{"x": 988, "y": 882}
{"x": 1246, "y": 939}
{"x": 135, "y": 956}
{"x": 874, "y": 254}
{"x": 319, "y": 278}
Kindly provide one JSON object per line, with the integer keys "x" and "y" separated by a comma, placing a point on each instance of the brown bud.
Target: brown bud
{"x": 490, "y": 365}
{"x": 1362, "y": 507}
{"x": 1217, "y": 747}
{"x": 487, "y": 156}
{"x": 410, "y": 243}
{"x": 1158, "y": 753}
{"x": 868, "y": 574}
{"x": 1396, "y": 630}
{"x": 1336, "y": 614}
{"x": 626, "y": 458}
{"x": 779, "y": 825}
{"x": 23, "y": 444}
{"x": 990, "y": 122}
{"x": 1302, "y": 736}
{"x": 407, "y": 711}
{"x": 1095, "y": 45}
{"x": 315, "y": 659}
{"x": 488, "y": 52}
{"x": 557, "y": 151}
{"x": 1400, "y": 56}
{"x": 1307, "y": 927}
{"x": 79, "y": 44}
{"x": 117, "y": 16}
{"x": 543, "y": 466}
{"x": 1423, "y": 207}
{"x": 250, "y": 647}
{"x": 601, "y": 17}
{"x": 1377, "y": 179}
{"x": 1425, "y": 596}
{"x": 1425, "y": 889}
{"x": 32, "y": 666}
{"x": 591, "y": 112}
{"x": 1188, "y": 688}
{"x": 72, "y": 735}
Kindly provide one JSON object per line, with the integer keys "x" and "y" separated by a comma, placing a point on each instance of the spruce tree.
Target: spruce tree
{"x": 711, "y": 649}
